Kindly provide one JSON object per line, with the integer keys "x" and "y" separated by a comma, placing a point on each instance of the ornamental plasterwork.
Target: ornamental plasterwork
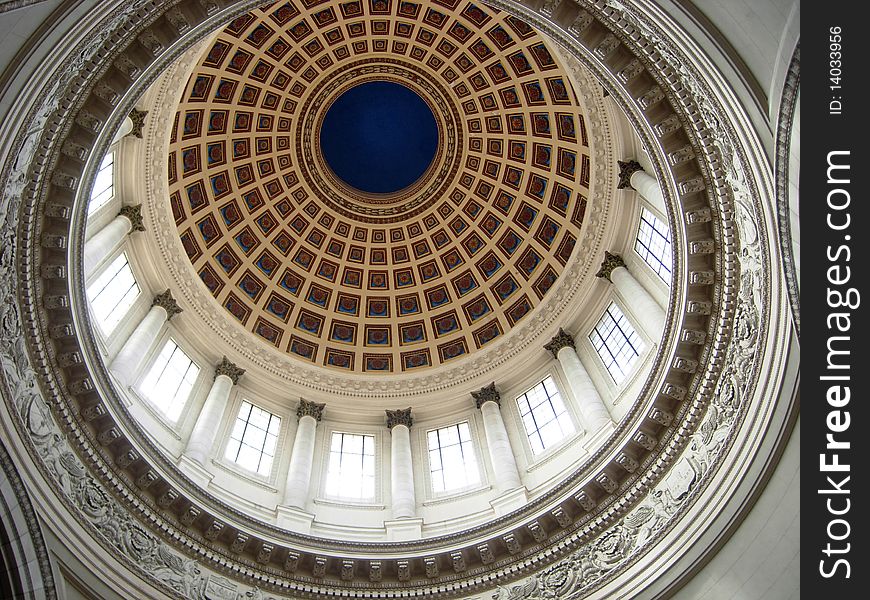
{"x": 720, "y": 393}
{"x": 562, "y": 339}
{"x": 486, "y": 394}
{"x": 491, "y": 360}
{"x": 225, "y": 367}
{"x": 400, "y": 416}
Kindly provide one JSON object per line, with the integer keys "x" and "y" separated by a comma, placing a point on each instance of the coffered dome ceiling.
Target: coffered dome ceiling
{"x": 389, "y": 282}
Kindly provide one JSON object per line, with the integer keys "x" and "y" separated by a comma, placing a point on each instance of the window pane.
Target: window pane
{"x": 170, "y": 380}
{"x": 351, "y": 470}
{"x": 254, "y": 438}
{"x": 103, "y": 184}
{"x": 544, "y": 416}
{"x": 653, "y": 244}
{"x": 113, "y": 293}
{"x": 617, "y": 342}
{"x": 452, "y": 462}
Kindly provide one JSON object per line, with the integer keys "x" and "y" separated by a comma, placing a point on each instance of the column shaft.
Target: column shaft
{"x": 650, "y": 314}
{"x": 205, "y": 430}
{"x": 402, "y": 474}
{"x": 591, "y": 408}
{"x": 130, "y": 357}
{"x": 104, "y": 241}
{"x": 504, "y": 464}
{"x": 648, "y": 187}
{"x": 296, "y": 490}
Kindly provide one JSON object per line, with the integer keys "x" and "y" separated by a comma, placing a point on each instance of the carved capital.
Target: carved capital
{"x": 627, "y": 168}
{"x": 610, "y": 263}
{"x": 225, "y": 367}
{"x": 399, "y": 417}
{"x": 486, "y": 394}
{"x": 561, "y": 340}
{"x": 138, "y": 118}
{"x": 167, "y": 302}
{"x": 134, "y": 213}
{"x": 310, "y": 409}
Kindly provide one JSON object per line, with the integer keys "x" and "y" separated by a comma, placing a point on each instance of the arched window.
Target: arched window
{"x": 351, "y": 470}
{"x": 170, "y": 380}
{"x": 452, "y": 462}
{"x": 617, "y": 342}
{"x": 104, "y": 185}
{"x": 113, "y": 293}
{"x": 653, "y": 244}
{"x": 545, "y": 417}
{"x": 253, "y": 440}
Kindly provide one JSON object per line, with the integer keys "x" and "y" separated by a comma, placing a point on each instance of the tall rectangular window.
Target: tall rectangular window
{"x": 452, "y": 462}
{"x": 104, "y": 186}
{"x": 113, "y": 293}
{"x": 544, "y": 415}
{"x": 617, "y": 342}
{"x": 653, "y": 244}
{"x": 351, "y": 471}
{"x": 170, "y": 380}
{"x": 253, "y": 440}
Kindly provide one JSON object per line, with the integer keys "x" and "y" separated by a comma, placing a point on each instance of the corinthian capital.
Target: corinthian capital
{"x": 627, "y": 168}
{"x": 561, "y": 340}
{"x": 486, "y": 394}
{"x": 310, "y": 409}
{"x": 167, "y": 303}
{"x": 225, "y": 367}
{"x": 399, "y": 417}
{"x": 611, "y": 262}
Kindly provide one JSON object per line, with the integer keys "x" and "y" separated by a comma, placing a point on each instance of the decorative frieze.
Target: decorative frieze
{"x": 486, "y": 555}
{"x": 319, "y": 568}
{"x": 580, "y": 23}
{"x": 651, "y": 97}
{"x": 607, "y": 483}
{"x": 225, "y": 367}
{"x": 627, "y": 462}
{"x": 561, "y": 517}
{"x": 700, "y": 215}
{"x": 563, "y": 339}
{"x": 291, "y": 563}
{"x": 661, "y": 416}
{"x": 264, "y": 555}
{"x": 189, "y": 516}
{"x": 400, "y": 416}
{"x": 214, "y": 530}
{"x": 376, "y": 571}
{"x": 167, "y": 498}
{"x": 457, "y": 559}
{"x": 606, "y": 46}
{"x": 686, "y": 365}
{"x": 403, "y": 570}
{"x": 538, "y": 533}
{"x": 630, "y": 71}
{"x": 584, "y": 500}
{"x": 610, "y": 263}
{"x": 431, "y": 565}
{"x": 667, "y": 125}
{"x": 167, "y": 303}
{"x": 347, "y": 567}
{"x": 645, "y": 440}
{"x": 486, "y": 394}
{"x": 512, "y": 543}
{"x": 307, "y": 408}
{"x": 701, "y": 277}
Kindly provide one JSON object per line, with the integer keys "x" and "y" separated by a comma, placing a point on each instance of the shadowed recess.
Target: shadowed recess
{"x": 379, "y": 137}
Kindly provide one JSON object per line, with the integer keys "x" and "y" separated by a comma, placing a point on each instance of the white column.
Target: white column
{"x": 649, "y": 313}
{"x": 590, "y": 407}
{"x": 631, "y": 174}
{"x": 205, "y": 430}
{"x": 104, "y": 241}
{"x": 128, "y": 360}
{"x": 297, "y": 488}
{"x": 501, "y": 455}
{"x": 404, "y": 502}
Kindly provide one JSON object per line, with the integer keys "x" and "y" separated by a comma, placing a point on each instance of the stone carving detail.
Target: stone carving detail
{"x": 686, "y": 365}
{"x": 431, "y": 564}
{"x": 189, "y": 516}
{"x": 684, "y": 154}
{"x": 319, "y": 569}
{"x": 645, "y": 440}
{"x": 701, "y": 247}
{"x": 347, "y": 570}
{"x": 606, "y": 46}
{"x": 147, "y": 479}
{"x": 264, "y": 555}
{"x": 630, "y": 71}
{"x": 291, "y": 563}
{"x": 562, "y": 518}
{"x": 307, "y": 408}
{"x": 701, "y": 277}
{"x": 652, "y": 97}
{"x": 512, "y": 543}
{"x": 691, "y": 186}
{"x": 55, "y": 242}
{"x": 693, "y": 336}
{"x": 458, "y": 561}
{"x": 661, "y": 416}
{"x": 581, "y": 23}
{"x": 561, "y": 340}
{"x": 701, "y": 215}
{"x": 672, "y": 390}
{"x": 607, "y": 483}
{"x": 94, "y": 412}
{"x": 699, "y": 307}
{"x": 585, "y": 501}
{"x": 376, "y": 572}
{"x": 627, "y": 462}
{"x": 239, "y": 543}
{"x": 109, "y": 436}
{"x": 538, "y": 532}
{"x": 214, "y": 530}
{"x": 667, "y": 125}
{"x": 403, "y": 570}
{"x": 138, "y": 118}
{"x": 127, "y": 458}
{"x": 611, "y": 262}
{"x": 399, "y": 417}
{"x": 167, "y": 303}
{"x": 104, "y": 91}
{"x": 627, "y": 168}
{"x": 134, "y": 213}
{"x": 486, "y": 555}
{"x": 225, "y": 367}
{"x": 167, "y": 498}
{"x": 486, "y": 394}
{"x": 550, "y": 6}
